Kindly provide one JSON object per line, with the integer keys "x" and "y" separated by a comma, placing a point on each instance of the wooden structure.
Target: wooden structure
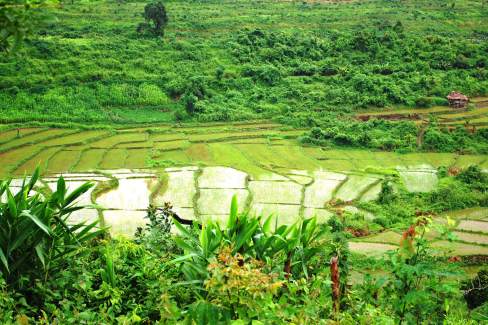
{"x": 457, "y": 100}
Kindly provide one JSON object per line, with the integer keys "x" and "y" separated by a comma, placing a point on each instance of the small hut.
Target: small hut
{"x": 457, "y": 100}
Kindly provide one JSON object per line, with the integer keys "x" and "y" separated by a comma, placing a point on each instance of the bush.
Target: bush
{"x": 423, "y": 102}
{"x": 37, "y": 237}
{"x": 474, "y": 177}
{"x": 387, "y": 194}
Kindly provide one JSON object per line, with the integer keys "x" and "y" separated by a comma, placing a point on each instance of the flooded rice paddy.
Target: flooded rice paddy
{"x": 199, "y": 169}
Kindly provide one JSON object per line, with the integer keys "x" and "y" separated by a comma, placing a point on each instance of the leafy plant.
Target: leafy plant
{"x": 197, "y": 251}
{"x": 475, "y": 177}
{"x": 240, "y": 285}
{"x": 419, "y": 286}
{"x": 17, "y": 21}
{"x": 36, "y": 236}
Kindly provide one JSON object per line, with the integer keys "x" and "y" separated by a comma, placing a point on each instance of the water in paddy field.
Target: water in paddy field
{"x": 205, "y": 193}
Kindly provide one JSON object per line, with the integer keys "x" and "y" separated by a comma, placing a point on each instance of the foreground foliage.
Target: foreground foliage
{"x": 35, "y": 236}
{"x": 252, "y": 270}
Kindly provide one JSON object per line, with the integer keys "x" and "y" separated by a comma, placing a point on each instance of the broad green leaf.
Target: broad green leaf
{"x": 77, "y": 193}
{"x": 183, "y": 245}
{"x": 3, "y": 258}
{"x": 233, "y": 212}
{"x": 182, "y": 258}
{"x": 38, "y": 222}
{"x": 12, "y": 206}
{"x": 181, "y": 228}
{"x": 40, "y": 253}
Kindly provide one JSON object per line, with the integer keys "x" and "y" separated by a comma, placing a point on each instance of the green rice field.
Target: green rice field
{"x": 199, "y": 168}
{"x": 476, "y": 115}
{"x": 254, "y": 148}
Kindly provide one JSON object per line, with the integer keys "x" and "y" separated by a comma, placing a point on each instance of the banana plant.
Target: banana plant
{"x": 35, "y": 234}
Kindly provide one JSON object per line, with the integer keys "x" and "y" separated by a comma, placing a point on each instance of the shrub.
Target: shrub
{"x": 238, "y": 285}
{"x": 387, "y": 194}
{"x": 413, "y": 289}
{"x": 36, "y": 235}
{"x": 423, "y": 102}
{"x": 475, "y": 177}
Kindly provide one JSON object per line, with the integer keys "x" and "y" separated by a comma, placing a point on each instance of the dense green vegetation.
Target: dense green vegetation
{"x": 395, "y": 136}
{"x": 122, "y": 93}
{"x": 302, "y": 63}
{"x": 18, "y": 19}
{"x": 246, "y": 271}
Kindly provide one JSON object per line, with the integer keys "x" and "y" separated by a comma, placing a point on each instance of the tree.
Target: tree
{"x": 17, "y": 21}
{"x": 156, "y": 12}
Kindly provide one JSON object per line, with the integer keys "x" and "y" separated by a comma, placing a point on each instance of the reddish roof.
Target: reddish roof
{"x": 456, "y": 95}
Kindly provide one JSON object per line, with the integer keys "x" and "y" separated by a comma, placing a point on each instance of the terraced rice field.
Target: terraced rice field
{"x": 470, "y": 231}
{"x": 474, "y": 118}
{"x": 199, "y": 168}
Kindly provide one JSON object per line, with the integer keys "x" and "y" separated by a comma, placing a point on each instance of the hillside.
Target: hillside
{"x": 235, "y": 60}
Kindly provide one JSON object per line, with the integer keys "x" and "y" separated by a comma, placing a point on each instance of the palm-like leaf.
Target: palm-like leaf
{"x": 35, "y": 234}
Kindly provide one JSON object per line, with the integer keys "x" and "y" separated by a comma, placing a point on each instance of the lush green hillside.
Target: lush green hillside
{"x": 229, "y": 60}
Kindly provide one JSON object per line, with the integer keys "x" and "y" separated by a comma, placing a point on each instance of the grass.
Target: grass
{"x": 171, "y": 145}
{"x": 470, "y": 121}
{"x": 456, "y": 248}
{"x": 407, "y": 111}
{"x": 109, "y": 142}
{"x": 9, "y": 135}
{"x": 172, "y": 157}
{"x": 212, "y": 137}
{"x": 464, "y": 161}
{"x": 433, "y": 159}
{"x": 387, "y": 237}
{"x": 40, "y": 160}
{"x": 113, "y": 159}
{"x": 199, "y": 153}
{"x": 13, "y": 158}
{"x": 77, "y": 138}
{"x": 92, "y": 149}
{"x": 295, "y": 157}
{"x": 33, "y": 138}
{"x": 462, "y": 115}
{"x": 62, "y": 161}
{"x": 261, "y": 155}
{"x": 162, "y": 137}
{"x": 136, "y": 158}
{"x": 232, "y": 156}
{"x": 90, "y": 159}
{"x": 135, "y": 145}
